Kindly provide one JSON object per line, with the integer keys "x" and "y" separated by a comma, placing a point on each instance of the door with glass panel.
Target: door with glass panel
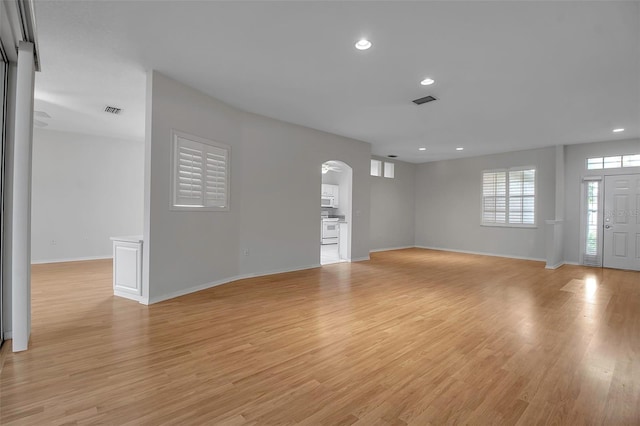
{"x": 621, "y": 248}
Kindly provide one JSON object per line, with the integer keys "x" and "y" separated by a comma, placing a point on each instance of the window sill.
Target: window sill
{"x": 198, "y": 209}
{"x": 506, "y": 225}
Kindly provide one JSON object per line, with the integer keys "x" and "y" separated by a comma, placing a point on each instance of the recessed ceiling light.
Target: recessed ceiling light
{"x": 618, "y": 130}
{"x": 422, "y": 149}
{"x": 427, "y": 81}
{"x": 363, "y": 44}
{"x": 459, "y": 148}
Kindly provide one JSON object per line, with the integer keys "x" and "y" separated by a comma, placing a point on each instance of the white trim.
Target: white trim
{"x": 578, "y": 264}
{"x": 556, "y": 266}
{"x": 20, "y": 203}
{"x": 390, "y": 249}
{"x": 361, "y": 259}
{"x": 70, "y": 259}
{"x": 483, "y": 253}
{"x": 205, "y": 286}
{"x": 8, "y": 335}
{"x": 276, "y": 271}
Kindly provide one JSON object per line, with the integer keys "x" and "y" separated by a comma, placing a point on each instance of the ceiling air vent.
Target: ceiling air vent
{"x": 112, "y": 110}
{"x": 424, "y": 100}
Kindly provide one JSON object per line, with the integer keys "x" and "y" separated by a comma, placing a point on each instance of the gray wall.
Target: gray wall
{"x": 275, "y": 167}
{"x": 393, "y": 207}
{"x": 85, "y": 189}
{"x": 448, "y": 205}
{"x": 575, "y": 169}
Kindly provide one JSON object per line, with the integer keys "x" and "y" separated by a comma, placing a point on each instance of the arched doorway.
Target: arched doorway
{"x": 336, "y": 206}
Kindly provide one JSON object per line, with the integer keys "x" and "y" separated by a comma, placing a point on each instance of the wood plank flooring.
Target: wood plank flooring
{"x": 412, "y": 337}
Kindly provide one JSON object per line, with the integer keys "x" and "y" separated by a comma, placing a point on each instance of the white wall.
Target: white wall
{"x": 275, "y": 188}
{"x": 8, "y": 195}
{"x": 85, "y": 189}
{"x": 448, "y": 205}
{"x": 393, "y": 207}
{"x": 575, "y": 169}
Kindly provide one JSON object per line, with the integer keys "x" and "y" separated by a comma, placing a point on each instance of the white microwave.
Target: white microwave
{"x": 327, "y": 201}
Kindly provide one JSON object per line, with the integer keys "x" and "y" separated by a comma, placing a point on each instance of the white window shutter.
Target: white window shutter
{"x": 509, "y": 197}
{"x": 200, "y": 174}
{"x": 494, "y": 191}
{"x": 216, "y": 178}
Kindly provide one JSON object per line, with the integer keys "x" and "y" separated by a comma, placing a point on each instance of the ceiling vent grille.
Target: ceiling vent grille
{"x": 424, "y": 100}
{"x": 112, "y": 110}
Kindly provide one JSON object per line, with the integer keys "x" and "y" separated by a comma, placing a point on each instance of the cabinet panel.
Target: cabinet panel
{"x": 127, "y": 269}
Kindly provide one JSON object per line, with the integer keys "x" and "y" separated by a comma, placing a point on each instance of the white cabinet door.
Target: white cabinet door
{"x": 622, "y": 222}
{"x": 127, "y": 269}
{"x": 343, "y": 242}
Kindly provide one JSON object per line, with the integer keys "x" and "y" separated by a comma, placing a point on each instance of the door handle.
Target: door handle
{"x": 607, "y": 226}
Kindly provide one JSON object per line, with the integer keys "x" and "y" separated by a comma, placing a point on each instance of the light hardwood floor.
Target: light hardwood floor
{"x": 411, "y": 337}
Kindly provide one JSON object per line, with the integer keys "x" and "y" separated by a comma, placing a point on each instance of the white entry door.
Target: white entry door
{"x": 622, "y": 222}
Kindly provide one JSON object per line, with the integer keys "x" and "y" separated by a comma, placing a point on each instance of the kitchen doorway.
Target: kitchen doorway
{"x": 335, "y": 212}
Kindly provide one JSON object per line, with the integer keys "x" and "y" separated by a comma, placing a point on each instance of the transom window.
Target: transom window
{"x": 509, "y": 197}
{"x": 379, "y": 168}
{"x": 613, "y": 162}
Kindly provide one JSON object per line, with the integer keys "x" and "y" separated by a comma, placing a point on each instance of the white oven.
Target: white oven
{"x": 330, "y": 231}
{"x": 327, "y": 201}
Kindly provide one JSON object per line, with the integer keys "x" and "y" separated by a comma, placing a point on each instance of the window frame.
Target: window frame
{"x": 507, "y": 224}
{"x": 601, "y": 162}
{"x": 175, "y": 134}
{"x": 379, "y": 167}
{"x": 389, "y": 170}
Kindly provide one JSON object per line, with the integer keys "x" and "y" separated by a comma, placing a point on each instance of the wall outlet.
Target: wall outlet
{"x": 245, "y": 252}
{"x": 54, "y": 242}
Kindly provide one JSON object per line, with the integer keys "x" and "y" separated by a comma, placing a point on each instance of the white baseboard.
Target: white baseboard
{"x": 8, "y": 335}
{"x": 390, "y": 248}
{"x": 556, "y": 266}
{"x": 72, "y": 259}
{"x": 360, "y": 259}
{"x": 205, "y": 286}
{"x": 482, "y": 253}
{"x": 575, "y": 263}
{"x": 275, "y": 271}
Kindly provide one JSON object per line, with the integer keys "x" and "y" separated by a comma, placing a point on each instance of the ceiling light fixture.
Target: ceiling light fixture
{"x": 618, "y": 130}
{"x": 459, "y": 148}
{"x": 363, "y": 44}
{"x": 427, "y": 81}
{"x": 422, "y": 149}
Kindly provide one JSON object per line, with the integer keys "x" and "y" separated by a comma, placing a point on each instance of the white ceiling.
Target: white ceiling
{"x": 509, "y": 75}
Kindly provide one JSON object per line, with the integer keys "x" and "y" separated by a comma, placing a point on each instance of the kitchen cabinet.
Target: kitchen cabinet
{"x": 343, "y": 241}
{"x": 127, "y": 267}
{"x": 329, "y": 190}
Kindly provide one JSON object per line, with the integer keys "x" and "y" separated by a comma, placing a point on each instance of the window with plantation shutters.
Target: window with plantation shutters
{"x": 200, "y": 173}
{"x": 509, "y": 197}
{"x": 494, "y": 197}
